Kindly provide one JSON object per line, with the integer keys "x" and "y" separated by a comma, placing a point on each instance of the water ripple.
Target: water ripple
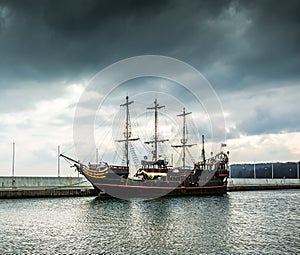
{"x": 257, "y": 222}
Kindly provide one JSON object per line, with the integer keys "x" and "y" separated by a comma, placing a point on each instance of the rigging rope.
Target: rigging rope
{"x": 179, "y": 159}
{"x": 190, "y": 155}
{"x": 134, "y": 156}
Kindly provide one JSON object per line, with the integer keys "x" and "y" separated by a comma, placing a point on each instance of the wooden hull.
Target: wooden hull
{"x": 150, "y": 190}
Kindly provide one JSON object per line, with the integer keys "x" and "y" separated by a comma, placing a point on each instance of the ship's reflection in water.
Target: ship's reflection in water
{"x": 257, "y": 222}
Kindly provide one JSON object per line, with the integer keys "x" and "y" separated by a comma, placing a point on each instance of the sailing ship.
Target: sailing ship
{"x": 156, "y": 178}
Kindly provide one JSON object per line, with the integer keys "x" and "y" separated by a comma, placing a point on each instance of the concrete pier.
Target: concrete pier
{"x": 237, "y": 184}
{"x": 20, "y": 187}
{"x": 23, "y": 187}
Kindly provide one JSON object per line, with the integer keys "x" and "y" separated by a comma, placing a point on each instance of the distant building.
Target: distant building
{"x": 264, "y": 170}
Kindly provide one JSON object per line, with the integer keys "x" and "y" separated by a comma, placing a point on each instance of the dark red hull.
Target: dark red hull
{"x": 147, "y": 190}
{"x": 114, "y": 181}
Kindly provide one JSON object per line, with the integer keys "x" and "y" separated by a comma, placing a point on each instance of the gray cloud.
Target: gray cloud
{"x": 274, "y": 110}
{"x": 234, "y": 43}
{"x": 238, "y": 45}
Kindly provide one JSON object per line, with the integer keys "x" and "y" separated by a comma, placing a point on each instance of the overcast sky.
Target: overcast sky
{"x": 49, "y": 51}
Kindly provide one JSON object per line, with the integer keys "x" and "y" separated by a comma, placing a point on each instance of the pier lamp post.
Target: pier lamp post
{"x": 298, "y": 169}
{"x": 13, "y": 160}
{"x": 58, "y": 161}
{"x": 290, "y": 173}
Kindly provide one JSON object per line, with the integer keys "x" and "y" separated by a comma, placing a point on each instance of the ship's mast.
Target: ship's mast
{"x": 127, "y": 133}
{"x": 203, "y": 151}
{"x": 184, "y": 136}
{"x": 156, "y": 141}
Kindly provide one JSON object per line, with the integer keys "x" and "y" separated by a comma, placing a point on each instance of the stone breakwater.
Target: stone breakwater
{"x": 237, "y": 184}
{"x": 21, "y": 187}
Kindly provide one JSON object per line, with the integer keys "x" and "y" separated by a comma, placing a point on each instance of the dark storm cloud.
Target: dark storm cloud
{"x": 272, "y": 39}
{"x": 51, "y": 39}
{"x": 45, "y": 40}
{"x": 234, "y": 43}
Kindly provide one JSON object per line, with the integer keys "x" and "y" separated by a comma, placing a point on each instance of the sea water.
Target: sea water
{"x": 253, "y": 222}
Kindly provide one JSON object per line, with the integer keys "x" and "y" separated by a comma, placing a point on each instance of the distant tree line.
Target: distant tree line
{"x": 264, "y": 170}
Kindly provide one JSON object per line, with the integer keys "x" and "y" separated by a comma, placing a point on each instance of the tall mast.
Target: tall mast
{"x": 184, "y": 136}
{"x": 203, "y": 151}
{"x": 97, "y": 155}
{"x": 127, "y": 133}
{"x": 156, "y": 141}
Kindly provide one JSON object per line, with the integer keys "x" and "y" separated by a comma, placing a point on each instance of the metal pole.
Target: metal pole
{"x": 272, "y": 171}
{"x": 97, "y": 155}
{"x": 298, "y": 170}
{"x": 254, "y": 172}
{"x": 13, "y": 161}
{"x": 58, "y": 161}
